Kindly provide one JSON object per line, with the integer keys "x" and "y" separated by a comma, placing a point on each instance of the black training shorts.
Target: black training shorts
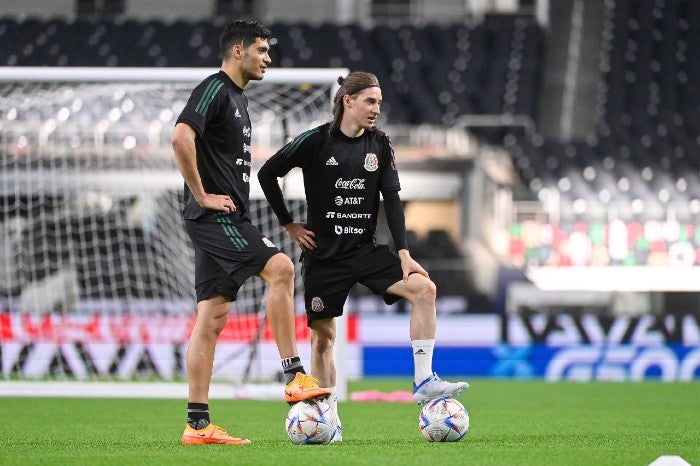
{"x": 227, "y": 251}
{"x": 328, "y": 282}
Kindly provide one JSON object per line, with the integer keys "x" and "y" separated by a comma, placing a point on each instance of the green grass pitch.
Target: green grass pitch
{"x": 512, "y": 423}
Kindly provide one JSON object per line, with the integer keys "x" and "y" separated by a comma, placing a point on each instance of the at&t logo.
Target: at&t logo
{"x": 340, "y": 200}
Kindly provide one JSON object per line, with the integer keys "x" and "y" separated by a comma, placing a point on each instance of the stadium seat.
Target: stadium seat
{"x": 434, "y": 73}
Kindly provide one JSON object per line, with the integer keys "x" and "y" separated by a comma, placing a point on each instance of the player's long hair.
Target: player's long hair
{"x": 356, "y": 82}
{"x": 241, "y": 32}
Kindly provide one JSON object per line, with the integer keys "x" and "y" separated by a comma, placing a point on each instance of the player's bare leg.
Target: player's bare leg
{"x": 279, "y": 274}
{"x": 421, "y": 293}
{"x": 323, "y": 334}
{"x": 211, "y": 318}
{"x": 322, "y": 344}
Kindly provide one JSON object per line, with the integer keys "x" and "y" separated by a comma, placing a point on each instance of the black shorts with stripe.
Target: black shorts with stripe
{"x": 327, "y": 283}
{"x": 227, "y": 251}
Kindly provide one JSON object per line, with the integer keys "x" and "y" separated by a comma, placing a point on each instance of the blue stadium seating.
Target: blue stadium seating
{"x": 435, "y": 72}
{"x": 648, "y": 125}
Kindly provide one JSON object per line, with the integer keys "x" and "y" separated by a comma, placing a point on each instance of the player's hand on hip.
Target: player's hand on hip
{"x": 304, "y": 238}
{"x": 220, "y": 202}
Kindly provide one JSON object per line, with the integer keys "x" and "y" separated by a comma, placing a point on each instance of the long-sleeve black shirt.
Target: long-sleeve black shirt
{"x": 343, "y": 178}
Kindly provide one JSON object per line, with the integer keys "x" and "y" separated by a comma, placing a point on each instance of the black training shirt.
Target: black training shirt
{"x": 343, "y": 177}
{"x": 218, "y": 113}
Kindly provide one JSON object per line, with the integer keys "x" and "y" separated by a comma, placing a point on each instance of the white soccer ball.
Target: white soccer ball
{"x": 310, "y": 422}
{"x": 443, "y": 420}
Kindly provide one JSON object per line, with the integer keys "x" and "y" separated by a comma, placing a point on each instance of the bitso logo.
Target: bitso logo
{"x": 317, "y": 304}
{"x": 340, "y": 230}
{"x": 268, "y": 243}
{"x": 371, "y": 162}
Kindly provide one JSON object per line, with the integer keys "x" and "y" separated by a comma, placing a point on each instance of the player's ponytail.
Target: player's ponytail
{"x": 354, "y": 83}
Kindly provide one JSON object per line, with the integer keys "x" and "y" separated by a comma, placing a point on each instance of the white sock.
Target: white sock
{"x": 333, "y": 402}
{"x": 422, "y": 359}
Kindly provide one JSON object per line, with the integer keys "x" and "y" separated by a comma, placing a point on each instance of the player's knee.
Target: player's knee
{"x": 285, "y": 271}
{"x": 281, "y": 269}
{"x": 322, "y": 341}
{"x": 426, "y": 293}
{"x": 322, "y": 335}
{"x": 211, "y": 324}
{"x": 212, "y": 315}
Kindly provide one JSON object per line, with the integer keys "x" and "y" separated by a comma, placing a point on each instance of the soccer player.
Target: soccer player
{"x": 346, "y": 164}
{"x": 211, "y": 142}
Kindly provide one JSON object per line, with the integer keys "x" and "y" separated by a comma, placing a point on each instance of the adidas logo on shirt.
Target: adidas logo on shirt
{"x": 331, "y": 161}
{"x": 237, "y": 114}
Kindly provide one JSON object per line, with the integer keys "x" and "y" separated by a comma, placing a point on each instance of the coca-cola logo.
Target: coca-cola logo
{"x": 355, "y": 183}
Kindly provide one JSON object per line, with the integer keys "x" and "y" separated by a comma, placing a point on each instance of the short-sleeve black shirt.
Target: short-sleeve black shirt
{"x": 343, "y": 177}
{"x": 217, "y": 110}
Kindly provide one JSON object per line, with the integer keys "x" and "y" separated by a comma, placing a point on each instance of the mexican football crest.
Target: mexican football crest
{"x": 371, "y": 162}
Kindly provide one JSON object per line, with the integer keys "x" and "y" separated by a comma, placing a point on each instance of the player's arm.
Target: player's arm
{"x": 390, "y": 187}
{"x": 268, "y": 177}
{"x": 397, "y": 226}
{"x": 183, "y": 142}
{"x": 294, "y": 154}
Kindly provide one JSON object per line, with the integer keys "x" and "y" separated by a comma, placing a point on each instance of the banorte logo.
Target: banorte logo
{"x": 355, "y": 183}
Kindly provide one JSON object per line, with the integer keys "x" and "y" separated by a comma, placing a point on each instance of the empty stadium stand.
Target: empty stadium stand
{"x": 434, "y": 72}
{"x": 626, "y": 194}
{"x": 642, "y": 162}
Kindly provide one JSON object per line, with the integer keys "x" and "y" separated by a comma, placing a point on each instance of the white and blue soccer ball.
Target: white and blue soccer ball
{"x": 443, "y": 420}
{"x": 310, "y": 422}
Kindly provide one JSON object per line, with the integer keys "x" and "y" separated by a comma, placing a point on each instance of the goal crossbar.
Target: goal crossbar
{"x": 174, "y": 74}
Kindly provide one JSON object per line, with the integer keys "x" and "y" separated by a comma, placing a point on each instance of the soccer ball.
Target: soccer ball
{"x": 310, "y": 422}
{"x": 443, "y": 420}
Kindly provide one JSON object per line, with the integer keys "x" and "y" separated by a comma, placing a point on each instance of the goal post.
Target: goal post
{"x": 96, "y": 271}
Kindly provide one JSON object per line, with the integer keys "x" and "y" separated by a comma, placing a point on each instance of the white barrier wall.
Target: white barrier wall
{"x": 554, "y": 347}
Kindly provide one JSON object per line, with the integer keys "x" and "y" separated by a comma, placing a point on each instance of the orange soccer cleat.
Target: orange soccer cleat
{"x": 211, "y": 434}
{"x": 304, "y": 387}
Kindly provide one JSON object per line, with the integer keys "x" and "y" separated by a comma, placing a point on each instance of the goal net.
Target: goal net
{"x": 96, "y": 270}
